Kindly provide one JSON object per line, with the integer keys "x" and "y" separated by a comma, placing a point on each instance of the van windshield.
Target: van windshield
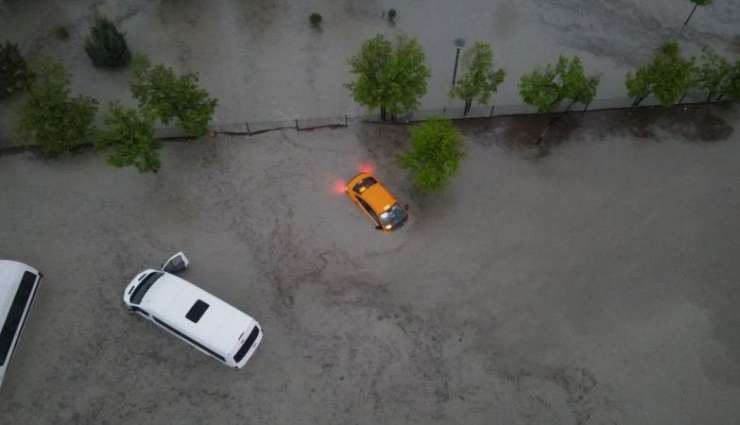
{"x": 144, "y": 287}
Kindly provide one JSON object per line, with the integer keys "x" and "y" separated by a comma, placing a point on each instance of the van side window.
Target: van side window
{"x": 185, "y": 337}
{"x": 13, "y": 322}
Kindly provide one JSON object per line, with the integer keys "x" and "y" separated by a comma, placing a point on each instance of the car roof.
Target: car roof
{"x": 220, "y": 326}
{"x": 377, "y": 195}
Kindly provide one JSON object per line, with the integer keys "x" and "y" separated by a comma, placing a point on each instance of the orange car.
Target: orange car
{"x": 376, "y": 201}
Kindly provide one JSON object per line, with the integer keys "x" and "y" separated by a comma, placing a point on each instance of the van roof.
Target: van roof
{"x": 219, "y": 327}
{"x": 11, "y": 273}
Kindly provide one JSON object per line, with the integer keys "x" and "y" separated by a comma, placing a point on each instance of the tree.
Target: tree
{"x": 390, "y": 77}
{"x": 697, "y": 3}
{"x": 168, "y": 96}
{"x": 547, "y": 87}
{"x": 106, "y": 46}
{"x": 14, "y": 73}
{"x": 714, "y": 74}
{"x": 435, "y": 154}
{"x": 669, "y": 76}
{"x": 129, "y": 137}
{"x": 479, "y": 80}
{"x": 51, "y": 117}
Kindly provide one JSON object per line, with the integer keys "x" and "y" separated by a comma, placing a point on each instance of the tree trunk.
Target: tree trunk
{"x": 382, "y": 113}
{"x": 638, "y": 100}
{"x": 719, "y": 97}
{"x": 681, "y": 99}
{"x": 555, "y": 119}
{"x": 468, "y": 103}
{"x": 690, "y": 15}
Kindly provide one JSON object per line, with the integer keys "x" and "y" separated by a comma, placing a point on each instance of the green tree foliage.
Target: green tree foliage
{"x": 171, "y": 97}
{"x": 315, "y": 19}
{"x": 697, "y": 3}
{"x": 51, "y": 117}
{"x": 479, "y": 80}
{"x": 435, "y": 154}
{"x": 733, "y": 87}
{"x": 106, "y": 46}
{"x": 669, "y": 76}
{"x": 547, "y": 87}
{"x": 129, "y": 140}
{"x": 392, "y": 77}
{"x": 715, "y": 75}
{"x": 14, "y": 73}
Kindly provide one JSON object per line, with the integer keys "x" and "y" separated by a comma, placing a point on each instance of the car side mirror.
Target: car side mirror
{"x": 176, "y": 263}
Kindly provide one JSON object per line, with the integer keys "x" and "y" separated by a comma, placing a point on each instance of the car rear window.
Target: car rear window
{"x": 143, "y": 287}
{"x": 364, "y": 184}
{"x": 247, "y": 345}
{"x": 13, "y": 322}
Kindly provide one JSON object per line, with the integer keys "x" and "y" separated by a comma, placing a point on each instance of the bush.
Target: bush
{"x": 14, "y": 73}
{"x": 106, "y": 46}
{"x": 167, "y": 96}
{"x": 57, "y": 122}
{"x": 435, "y": 154}
{"x": 129, "y": 134}
{"x": 315, "y": 20}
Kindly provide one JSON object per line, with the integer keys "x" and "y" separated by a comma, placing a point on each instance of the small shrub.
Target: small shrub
{"x": 14, "y": 73}
{"x": 392, "y": 15}
{"x": 61, "y": 33}
{"x": 315, "y": 20}
{"x": 106, "y": 46}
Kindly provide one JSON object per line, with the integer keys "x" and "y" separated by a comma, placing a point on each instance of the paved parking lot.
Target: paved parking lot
{"x": 595, "y": 285}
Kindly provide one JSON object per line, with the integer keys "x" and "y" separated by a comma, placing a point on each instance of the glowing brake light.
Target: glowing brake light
{"x": 367, "y": 168}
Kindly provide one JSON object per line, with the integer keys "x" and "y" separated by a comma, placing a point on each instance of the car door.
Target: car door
{"x": 369, "y": 211}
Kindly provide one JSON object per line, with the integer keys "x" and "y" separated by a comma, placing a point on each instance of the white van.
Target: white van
{"x": 204, "y": 321}
{"x": 18, "y": 285}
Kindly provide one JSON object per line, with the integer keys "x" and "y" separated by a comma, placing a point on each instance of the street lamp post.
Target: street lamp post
{"x": 459, "y": 43}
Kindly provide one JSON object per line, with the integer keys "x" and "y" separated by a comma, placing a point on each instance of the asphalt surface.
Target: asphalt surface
{"x": 597, "y": 284}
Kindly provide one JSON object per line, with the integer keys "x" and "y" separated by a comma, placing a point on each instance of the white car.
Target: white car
{"x": 204, "y": 321}
{"x": 18, "y": 286}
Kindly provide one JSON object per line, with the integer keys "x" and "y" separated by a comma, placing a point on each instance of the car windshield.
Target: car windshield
{"x": 144, "y": 286}
{"x": 394, "y": 216}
